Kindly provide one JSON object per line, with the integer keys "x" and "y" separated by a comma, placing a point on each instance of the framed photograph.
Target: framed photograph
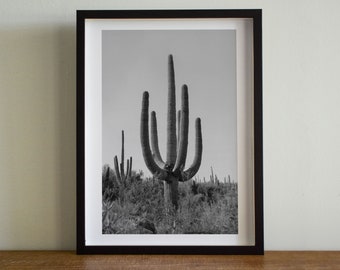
{"x": 169, "y": 132}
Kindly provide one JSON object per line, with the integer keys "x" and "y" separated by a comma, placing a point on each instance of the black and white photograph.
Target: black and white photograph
{"x": 169, "y": 132}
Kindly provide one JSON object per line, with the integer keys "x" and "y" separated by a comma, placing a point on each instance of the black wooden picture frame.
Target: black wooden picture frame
{"x": 88, "y": 91}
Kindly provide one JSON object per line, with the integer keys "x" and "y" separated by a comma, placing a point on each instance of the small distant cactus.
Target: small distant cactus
{"x": 172, "y": 170}
{"x": 212, "y": 177}
{"x": 121, "y": 175}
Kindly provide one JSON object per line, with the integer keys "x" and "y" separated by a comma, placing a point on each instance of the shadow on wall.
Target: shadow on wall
{"x": 67, "y": 138}
{"x": 38, "y": 138}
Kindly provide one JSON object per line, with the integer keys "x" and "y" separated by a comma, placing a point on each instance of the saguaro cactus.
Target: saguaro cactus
{"x": 212, "y": 175}
{"x": 172, "y": 170}
{"x": 122, "y": 175}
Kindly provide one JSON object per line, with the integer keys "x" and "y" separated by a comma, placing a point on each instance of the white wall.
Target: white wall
{"x": 301, "y": 61}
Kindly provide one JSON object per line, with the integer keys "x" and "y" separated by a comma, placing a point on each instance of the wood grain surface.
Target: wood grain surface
{"x": 69, "y": 260}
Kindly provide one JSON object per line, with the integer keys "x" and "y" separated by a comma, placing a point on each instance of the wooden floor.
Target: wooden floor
{"x": 69, "y": 260}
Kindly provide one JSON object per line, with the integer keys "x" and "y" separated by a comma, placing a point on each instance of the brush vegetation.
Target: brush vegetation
{"x": 137, "y": 207}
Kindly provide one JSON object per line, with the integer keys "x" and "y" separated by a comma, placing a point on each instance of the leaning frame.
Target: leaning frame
{"x": 151, "y": 154}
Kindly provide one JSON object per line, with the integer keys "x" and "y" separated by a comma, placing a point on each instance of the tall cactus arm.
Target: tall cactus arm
{"x": 128, "y": 173}
{"x": 119, "y": 179}
{"x": 144, "y": 135}
{"x": 154, "y": 141}
{"x": 179, "y": 125}
{"x": 122, "y": 159}
{"x": 171, "y": 126}
{"x": 184, "y": 130}
{"x": 193, "y": 169}
{"x": 127, "y": 169}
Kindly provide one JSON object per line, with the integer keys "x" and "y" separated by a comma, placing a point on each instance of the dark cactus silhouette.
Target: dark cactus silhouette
{"x": 172, "y": 170}
{"x": 121, "y": 175}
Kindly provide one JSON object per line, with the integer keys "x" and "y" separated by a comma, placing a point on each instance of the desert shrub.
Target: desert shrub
{"x": 207, "y": 208}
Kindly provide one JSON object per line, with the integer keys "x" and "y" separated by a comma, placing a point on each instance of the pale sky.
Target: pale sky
{"x": 137, "y": 61}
